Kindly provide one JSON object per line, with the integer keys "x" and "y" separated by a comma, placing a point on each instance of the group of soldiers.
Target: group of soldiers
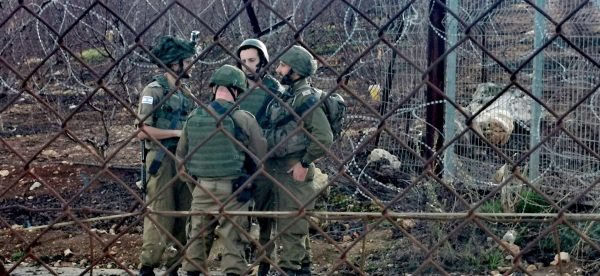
{"x": 250, "y": 114}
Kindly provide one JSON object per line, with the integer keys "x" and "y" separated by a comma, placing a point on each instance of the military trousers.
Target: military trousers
{"x": 264, "y": 200}
{"x": 203, "y": 227}
{"x": 294, "y": 248}
{"x": 166, "y": 193}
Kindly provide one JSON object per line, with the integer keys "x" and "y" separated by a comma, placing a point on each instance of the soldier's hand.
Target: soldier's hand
{"x": 298, "y": 172}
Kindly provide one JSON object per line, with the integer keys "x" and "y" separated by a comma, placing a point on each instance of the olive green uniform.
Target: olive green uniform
{"x": 164, "y": 190}
{"x": 219, "y": 188}
{"x": 255, "y": 102}
{"x": 258, "y": 98}
{"x": 293, "y": 239}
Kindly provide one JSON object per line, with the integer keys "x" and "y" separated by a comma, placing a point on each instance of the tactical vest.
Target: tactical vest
{"x": 280, "y": 127}
{"x": 258, "y": 98}
{"x": 217, "y": 157}
{"x": 173, "y": 112}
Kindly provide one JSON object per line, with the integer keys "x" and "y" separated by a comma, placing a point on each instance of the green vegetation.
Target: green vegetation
{"x": 570, "y": 240}
{"x": 341, "y": 202}
{"x": 531, "y": 202}
{"x": 491, "y": 206}
{"x": 93, "y": 55}
{"x": 17, "y": 255}
{"x": 494, "y": 258}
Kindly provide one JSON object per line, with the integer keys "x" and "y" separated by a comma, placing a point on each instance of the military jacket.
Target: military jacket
{"x": 218, "y": 156}
{"x": 170, "y": 115}
{"x": 297, "y": 145}
{"x": 257, "y": 99}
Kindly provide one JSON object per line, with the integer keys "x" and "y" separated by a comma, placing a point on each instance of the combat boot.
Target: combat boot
{"x": 305, "y": 269}
{"x": 146, "y": 271}
{"x": 174, "y": 271}
{"x": 291, "y": 272}
{"x": 263, "y": 269}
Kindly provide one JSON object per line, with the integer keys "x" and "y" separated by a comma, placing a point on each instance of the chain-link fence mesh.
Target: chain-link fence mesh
{"x": 470, "y": 144}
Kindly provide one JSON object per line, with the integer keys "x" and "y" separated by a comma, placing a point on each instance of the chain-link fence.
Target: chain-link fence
{"x": 470, "y": 144}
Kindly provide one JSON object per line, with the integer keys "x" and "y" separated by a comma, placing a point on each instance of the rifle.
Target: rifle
{"x": 141, "y": 184}
{"x": 143, "y": 167}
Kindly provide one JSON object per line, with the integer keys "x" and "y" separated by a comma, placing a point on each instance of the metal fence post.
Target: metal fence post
{"x": 450, "y": 113}
{"x": 435, "y": 77}
{"x": 537, "y": 89}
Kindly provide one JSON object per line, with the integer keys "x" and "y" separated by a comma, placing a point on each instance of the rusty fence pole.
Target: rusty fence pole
{"x": 435, "y": 76}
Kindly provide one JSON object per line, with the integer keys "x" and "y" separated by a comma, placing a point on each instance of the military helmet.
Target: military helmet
{"x": 301, "y": 61}
{"x": 171, "y": 50}
{"x": 229, "y": 76}
{"x": 258, "y": 45}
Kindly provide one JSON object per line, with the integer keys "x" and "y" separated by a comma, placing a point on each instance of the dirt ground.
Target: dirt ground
{"x": 46, "y": 177}
{"x": 67, "y": 180}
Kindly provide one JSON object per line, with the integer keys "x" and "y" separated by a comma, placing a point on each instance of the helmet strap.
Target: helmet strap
{"x": 259, "y": 66}
{"x": 181, "y": 71}
{"x": 233, "y": 94}
{"x": 287, "y": 78}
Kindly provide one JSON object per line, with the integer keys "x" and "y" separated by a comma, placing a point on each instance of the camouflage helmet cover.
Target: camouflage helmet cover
{"x": 254, "y": 43}
{"x": 171, "y": 50}
{"x": 301, "y": 61}
{"x": 229, "y": 76}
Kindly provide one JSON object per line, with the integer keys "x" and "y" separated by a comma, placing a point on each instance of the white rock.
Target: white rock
{"x": 50, "y": 153}
{"x": 99, "y": 231}
{"x": 35, "y": 185}
{"x": 510, "y": 236}
{"x": 407, "y": 223}
{"x": 68, "y": 253}
{"x": 378, "y": 154}
{"x": 564, "y": 257}
{"x": 16, "y": 226}
{"x": 4, "y": 173}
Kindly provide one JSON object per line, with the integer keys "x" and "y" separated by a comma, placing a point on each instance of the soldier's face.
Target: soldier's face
{"x": 186, "y": 64}
{"x": 282, "y": 69}
{"x": 250, "y": 59}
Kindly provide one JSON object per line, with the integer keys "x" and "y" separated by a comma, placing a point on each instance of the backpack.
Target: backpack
{"x": 334, "y": 106}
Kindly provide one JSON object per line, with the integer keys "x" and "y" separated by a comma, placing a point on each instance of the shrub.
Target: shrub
{"x": 93, "y": 55}
{"x": 531, "y": 202}
{"x": 491, "y": 206}
{"x": 17, "y": 255}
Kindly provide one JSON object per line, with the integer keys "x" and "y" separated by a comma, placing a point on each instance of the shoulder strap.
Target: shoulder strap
{"x": 164, "y": 83}
{"x": 306, "y": 105}
{"x": 239, "y": 132}
{"x": 263, "y": 107}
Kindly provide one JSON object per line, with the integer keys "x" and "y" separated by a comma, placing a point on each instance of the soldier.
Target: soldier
{"x": 254, "y": 56}
{"x": 217, "y": 164}
{"x": 292, "y": 163}
{"x": 164, "y": 123}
